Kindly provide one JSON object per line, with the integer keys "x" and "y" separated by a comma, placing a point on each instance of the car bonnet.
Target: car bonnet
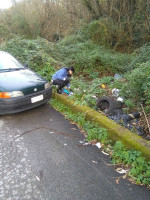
{"x": 24, "y": 80}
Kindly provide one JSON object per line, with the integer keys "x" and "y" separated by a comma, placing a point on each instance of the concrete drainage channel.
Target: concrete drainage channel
{"x": 116, "y": 132}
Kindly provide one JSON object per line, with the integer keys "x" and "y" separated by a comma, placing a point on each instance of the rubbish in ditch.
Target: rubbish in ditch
{"x": 108, "y": 105}
{"x": 65, "y": 144}
{"x": 115, "y": 92}
{"x": 65, "y": 91}
{"x": 117, "y": 76}
{"x": 113, "y": 110}
{"x": 120, "y": 99}
{"x": 129, "y": 121}
{"x": 103, "y": 86}
{"x": 98, "y": 144}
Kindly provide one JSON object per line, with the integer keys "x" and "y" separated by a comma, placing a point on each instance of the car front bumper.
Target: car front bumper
{"x": 19, "y": 104}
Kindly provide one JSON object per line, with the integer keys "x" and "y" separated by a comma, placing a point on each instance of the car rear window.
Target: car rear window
{"x": 8, "y": 62}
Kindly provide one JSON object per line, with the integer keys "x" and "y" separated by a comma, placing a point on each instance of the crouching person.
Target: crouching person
{"x": 62, "y": 78}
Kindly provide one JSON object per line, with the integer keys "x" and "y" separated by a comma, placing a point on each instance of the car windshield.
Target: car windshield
{"x": 8, "y": 62}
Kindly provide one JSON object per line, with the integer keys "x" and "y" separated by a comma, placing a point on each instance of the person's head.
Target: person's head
{"x": 71, "y": 70}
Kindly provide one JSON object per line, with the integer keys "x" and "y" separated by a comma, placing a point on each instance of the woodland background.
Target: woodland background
{"x": 122, "y": 24}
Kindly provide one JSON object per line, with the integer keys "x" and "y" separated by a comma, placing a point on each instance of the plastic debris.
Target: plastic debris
{"x": 87, "y": 143}
{"x": 81, "y": 142}
{"x": 84, "y": 143}
{"x": 94, "y": 161}
{"x": 121, "y": 171}
{"x": 65, "y": 91}
{"x": 98, "y": 145}
{"x": 115, "y": 92}
{"x": 37, "y": 178}
{"x": 120, "y": 99}
{"x": 117, "y": 77}
{"x": 129, "y": 121}
{"x": 71, "y": 93}
{"x": 105, "y": 153}
{"x": 103, "y": 86}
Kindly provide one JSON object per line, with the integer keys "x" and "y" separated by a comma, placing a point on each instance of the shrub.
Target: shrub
{"x": 141, "y": 56}
{"x": 86, "y": 55}
{"x": 137, "y": 86}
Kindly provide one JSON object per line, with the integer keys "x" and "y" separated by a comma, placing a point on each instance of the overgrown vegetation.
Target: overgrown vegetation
{"x": 89, "y": 35}
{"x": 94, "y": 66}
{"x": 87, "y": 56}
{"x": 139, "y": 168}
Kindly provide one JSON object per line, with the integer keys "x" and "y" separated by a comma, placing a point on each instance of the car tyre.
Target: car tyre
{"x": 106, "y": 105}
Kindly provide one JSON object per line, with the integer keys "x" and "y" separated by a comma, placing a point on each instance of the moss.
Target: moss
{"x": 116, "y": 132}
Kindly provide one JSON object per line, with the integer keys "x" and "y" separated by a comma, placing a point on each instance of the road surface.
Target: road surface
{"x": 44, "y": 157}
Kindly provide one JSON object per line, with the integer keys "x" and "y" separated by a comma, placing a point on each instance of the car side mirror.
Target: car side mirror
{"x": 26, "y": 65}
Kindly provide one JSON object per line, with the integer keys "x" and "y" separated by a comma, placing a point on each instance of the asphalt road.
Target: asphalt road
{"x": 44, "y": 157}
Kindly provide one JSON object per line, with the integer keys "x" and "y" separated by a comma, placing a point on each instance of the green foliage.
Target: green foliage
{"x": 85, "y": 55}
{"x": 121, "y": 155}
{"x": 137, "y": 87}
{"x": 139, "y": 168}
{"x": 47, "y": 71}
{"x": 96, "y": 133}
{"x": 97, "y": 31}
{"x": 141, "y": 56}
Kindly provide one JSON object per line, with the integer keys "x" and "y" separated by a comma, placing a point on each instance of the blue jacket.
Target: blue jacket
{"x": 60, "y": 74}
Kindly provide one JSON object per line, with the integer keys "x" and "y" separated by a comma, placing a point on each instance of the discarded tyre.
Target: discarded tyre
{"x": 108, "y": 105}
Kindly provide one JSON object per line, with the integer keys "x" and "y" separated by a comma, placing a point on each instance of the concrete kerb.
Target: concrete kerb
{"x": 116, "y": 132}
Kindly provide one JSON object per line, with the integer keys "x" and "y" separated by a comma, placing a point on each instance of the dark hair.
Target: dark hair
{"x": 71, "y": 68}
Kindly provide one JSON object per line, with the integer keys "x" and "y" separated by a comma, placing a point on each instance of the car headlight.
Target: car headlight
{"x": 7, "y": 95}
{"x": 47, "y": 85}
